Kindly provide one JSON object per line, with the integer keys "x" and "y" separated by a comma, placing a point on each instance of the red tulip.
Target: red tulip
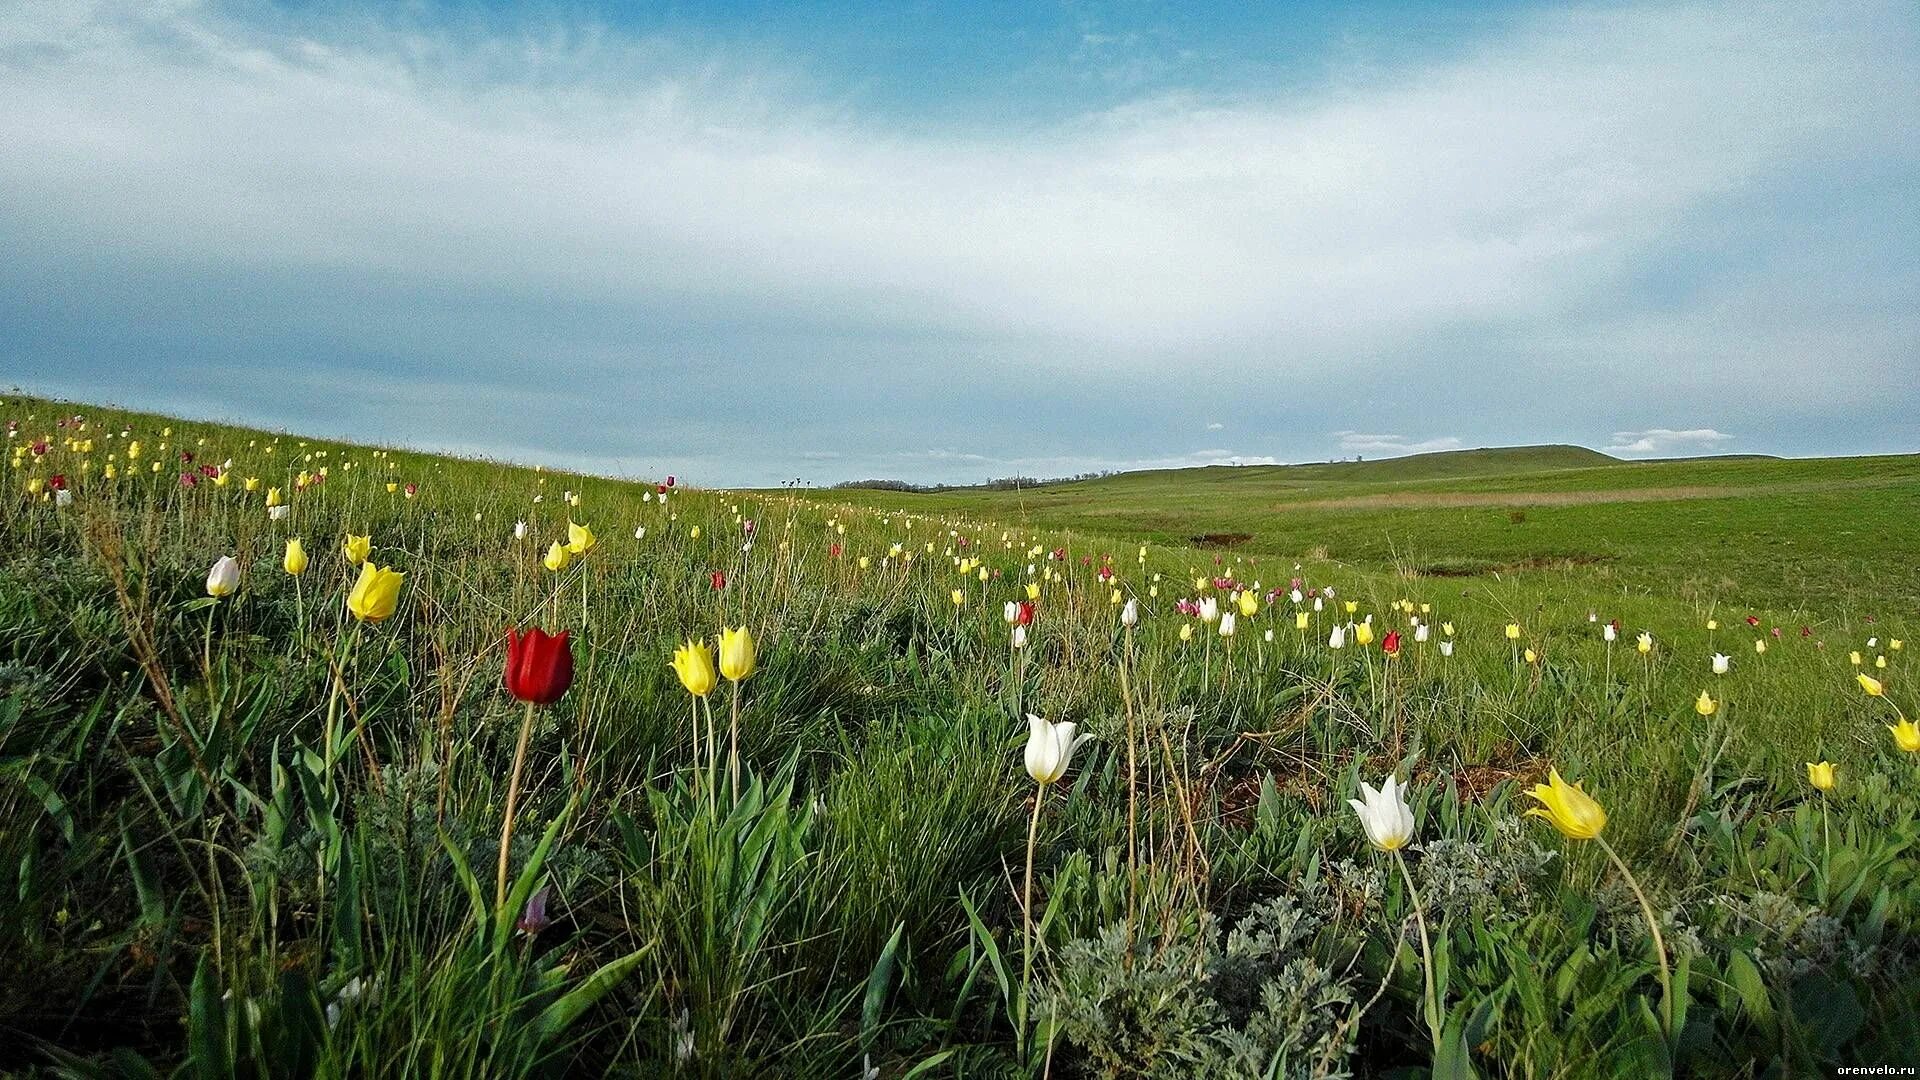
{"x": 1025, "y": 615}
{"x": 834, "y": 550}
{"x": 539, "y": 665}
{"x": 1391, "y": 643}
{"x": 57, "y": 482}
{"x": 669, "y": 481}
{"x": 719, "y": 580}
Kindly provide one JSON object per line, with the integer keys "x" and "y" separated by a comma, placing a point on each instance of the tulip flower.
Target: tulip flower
{"x": 1854, "y": 658}
{"x": 1300, "y": 620}
{"x": 1420, "y": 633}
{"x": 1705, "y": 705}
{"x": 357, "y": 548}
{"x": 1871, "y": 685}
{"x": 1567, "y": 808}
{"x": 1209, "y": 610}
{"x": 1050, "y": 749}
{"x": 1226, "y": 624}
{"x": 1130, "y": 614}
{"x": 1608, "y": 632}
{"x": 1513, "y": 631}
{"x": 1011, "y": 612}
{"x": 278, "y": 513}
{"x": 693, "y": 663}
{"x": 1249, "y": 604}
{"x": 959, "y": 597}
{"x": 1033, "y": 590}
{"x": 1820, "y": 774}
{"x": 1391, "y": 643}
{"x": 520, "y": 530}
{"x": 376, "y": 594}
{"x": 1644, "y": 643}
{"x": 737, "y": 657}
{"x": 1338, "y": 638}
{"x": 1363, "y": 634}
{"x": 224, "y": 578}
{"x": 273, "y": 498}
{"x": 1019, "y": 636}
{"x": 1446, "y": 628}
{"x": 1721, "y": 662}
{"x": 295, "y": 562}
{"x": 1446, "y": 648}
{"x": 579, "y": 538}
{"x": 1759, "y": 645}
{"x": 1906, "y": 736}
{"x": 1385, "y": 815}
{"x": 557, "y": 557}
{"x": 539, "y": 666}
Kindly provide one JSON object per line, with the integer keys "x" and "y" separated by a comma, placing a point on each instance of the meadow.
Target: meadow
{"x": 1505, "y": 764}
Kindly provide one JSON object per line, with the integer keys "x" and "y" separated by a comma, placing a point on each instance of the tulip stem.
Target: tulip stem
{"x": 1026, "y": 925}
{"x": 1133, "y": 791}
{"x": 733, "y": 743}
{"x": 513, "y": 800}
{"x": 1653, "y": 928}
{"x": 1426, "y": 948}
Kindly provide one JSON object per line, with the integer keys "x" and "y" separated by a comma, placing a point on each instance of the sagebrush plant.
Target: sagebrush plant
{"x": 264, "y": 829}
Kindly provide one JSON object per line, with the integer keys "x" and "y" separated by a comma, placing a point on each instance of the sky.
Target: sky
{"x": 755, "y": 243}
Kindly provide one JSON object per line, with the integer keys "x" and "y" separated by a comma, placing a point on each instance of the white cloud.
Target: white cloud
{"x": 1355, "y": 442}
{"x": 1215, "y": 426}
{"x": 1666, "y": 441}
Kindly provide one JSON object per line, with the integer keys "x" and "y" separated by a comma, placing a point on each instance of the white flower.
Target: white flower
{"x": 1329, "y": 591}
{"x": 1226, "y": 624}
{"x": 1050, "y": 748}
{"x": 1385, "y": 814}
{"x": 1295, "y": 596}
{"x": 1420, "y": 632}
{"x": 63, "y": 497}
{"x": 278, "y": 513}
{"x": 224, "y": 578}
{"x": 1446, "y": 648}
{"x": 1317, "y": 605}
{"x": 1269, "y": 635}
{"x": 1011, "y": 612}
{"x": 640, "y": 533}
{"x": 1337, "y": 639}
{"x": 1130, "y": 613}
{"x": 519, "y": 530}
{"x": 1019, "y": 636}
{"x": 1209, "y": 610}
{"x": 1721, "y": 662}
{"x": 1608, "y": 633}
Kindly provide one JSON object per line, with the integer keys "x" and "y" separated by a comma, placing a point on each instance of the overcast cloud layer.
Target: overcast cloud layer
{"x": 1649, "y": 229}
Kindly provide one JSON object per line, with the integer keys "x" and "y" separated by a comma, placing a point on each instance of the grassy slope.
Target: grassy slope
{"x": 1776, "y": 534}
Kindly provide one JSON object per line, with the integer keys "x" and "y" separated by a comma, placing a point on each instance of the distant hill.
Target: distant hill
{"x": 1439, "y": 465}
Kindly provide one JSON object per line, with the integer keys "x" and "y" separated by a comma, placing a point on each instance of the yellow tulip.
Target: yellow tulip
{"x": 1705, "y": 705}
{"x": 1299, "y": 620}
{"x": 392, "y": 487}
{"x": 376, "y": 594}
{"x": 1820, "y": 775}
{"x": 273, "y": 498}
{"x": 1896, "y": 644}
{"x": 1446, "y": 628}
{"x": 736, "y": 654}
{"x": 579, "y": 538}
{"x": 250, "y": 485}
{"x": 1353, "y": 606}
{"x": 1871, "y": 685}
{"x": 1513, "y": 631}
{"x": 959, "y": 597}
{"x": 1186, "y": 631}
{"x": 1033, "y": 590}
{"x": 1713, "y": 624}
{"x": 1249, "y": 604}
{"x": 1363, "y": 634}
{"x": 1854, "y": 658}
{"x": 1567, "y": 808}
{"x": 693, "y": 662}
{"x": 1906, "y": 736}
{"x": 295, "y": 562}
{"x": 1759, "y": 645}
{"x": 357, "y": 548}
{"x": 1531, "y": 656}
{"x": 557, "y": 557}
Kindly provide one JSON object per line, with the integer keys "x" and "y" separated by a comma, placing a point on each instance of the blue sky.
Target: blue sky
{"x": 750, "y": 243}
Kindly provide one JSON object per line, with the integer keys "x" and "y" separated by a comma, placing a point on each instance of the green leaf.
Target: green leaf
{"x": 877, "y": 982}
{"x": 557, "y": 1017}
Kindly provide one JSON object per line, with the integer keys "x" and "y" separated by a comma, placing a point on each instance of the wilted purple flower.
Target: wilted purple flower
{"x": 534, "y": 918}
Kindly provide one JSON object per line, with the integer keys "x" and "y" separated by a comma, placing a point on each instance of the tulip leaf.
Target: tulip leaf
{"x": 878, "y": 981}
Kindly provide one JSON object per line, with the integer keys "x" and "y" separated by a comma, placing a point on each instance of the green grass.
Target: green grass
{"x": 259, "y": 837}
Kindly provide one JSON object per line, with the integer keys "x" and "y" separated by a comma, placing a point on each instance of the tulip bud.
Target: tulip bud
{"x": 224, "y": 578}
{"x": 295, "y": 562}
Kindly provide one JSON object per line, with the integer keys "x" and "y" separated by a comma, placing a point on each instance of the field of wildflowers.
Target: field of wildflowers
{"x": 320, "y": 759}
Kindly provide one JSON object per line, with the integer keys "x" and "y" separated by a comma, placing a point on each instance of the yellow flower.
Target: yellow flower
{"x": 1567, "y": 808}
{"x": 1854, "y": 658}
{"x": 1896, "y": 644}
{"x": 1363, "y": 634}
{"x": 579, "y": 538}
{"x": 250, "y": 484}
{"x": 1644, "y": 643}
{"x": 273, "y": 497}
{"x": 1033, "y": 590}
{"x": 1353, "y": 606}
{"x": 1820, "y": 775}
{"x": 1759, "y": 645}
{"x": 1713, "y": 624}
{"x": 736, "y": 654}
{"x": 376, "y": 594}
{"x": 1906, "y": 736}
{"x": 693, "y": 662}
{"x": 296, "y": 561}
{"x": 1531, "y": 656}
{"x": 1705, "y": 705}
{"x": 959, "y": 597}
{"x": 1871, "y": 685}
{"x": 1513, "y": 631}
{"x": 1446, "y": 628}
{"x": 1186, "y": 631}
{"x": 392, "y": 487}
{"x": 1299, "y": 620}
{"x": 557, "y": 557}
{"x": 1249, "y": 604}
{"x": 357, "y": 548}
{"x": 694, "y": 534}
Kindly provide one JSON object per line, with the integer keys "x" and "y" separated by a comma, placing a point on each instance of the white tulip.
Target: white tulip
{"x": 1130, "y": 614}
{"x": 640, "y": 533}
{"x": 1721, "y": 662}
{"x": 1226, "y": 624}
{"x": 519, "y": 530}
{"x": 63, "y": 497}
{"x": 1050, "y": 748}
{"x": 278, "y": 513}
{"x": 1019, "y": 636}
{"x": 1337, "y": 639}
{"x": 1209, "y": 610}
{"x": 1420, "y": 632}
{"x": 1329, "y": 591}
{"x": 1295, "y": 596}
{"x": 1385, "y": 815}
{"x": 1608, "y": 633}
{"x": 1011, "y": 612}
{"x": 224, "y": 578}
{"x": 1317, "y": 604}
{"x": 1269, "y": 635}
{"x": 1446, "y": 648}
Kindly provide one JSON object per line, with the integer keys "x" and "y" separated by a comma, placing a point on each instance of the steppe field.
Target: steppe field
{"x": 1501, "y": 763}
